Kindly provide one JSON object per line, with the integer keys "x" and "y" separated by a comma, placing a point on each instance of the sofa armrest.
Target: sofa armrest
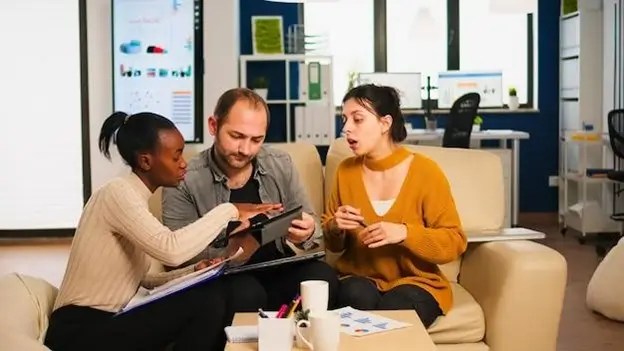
{"x": 12, "y": 339}
{"x": 520, "y": 286}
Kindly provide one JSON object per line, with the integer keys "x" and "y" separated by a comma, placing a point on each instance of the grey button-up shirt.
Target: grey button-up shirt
{"x": 205, "y": 187}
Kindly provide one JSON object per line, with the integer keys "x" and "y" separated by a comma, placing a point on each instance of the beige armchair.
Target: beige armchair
{"x": 508, "y": 294}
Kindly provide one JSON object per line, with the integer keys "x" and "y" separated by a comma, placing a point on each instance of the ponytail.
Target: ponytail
{"x": 108, "y": 132}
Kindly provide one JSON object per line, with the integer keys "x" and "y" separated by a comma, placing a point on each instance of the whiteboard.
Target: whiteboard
{"x": 408, "y": 85}
{"x": 453, "y": 84}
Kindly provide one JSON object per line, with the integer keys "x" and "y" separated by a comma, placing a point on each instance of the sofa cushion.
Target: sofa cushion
{"x": 26, "y": 302}
{"x": 308, "y": 163}
{"x": 465, "y": 322}
{"x": 606, "y": 288}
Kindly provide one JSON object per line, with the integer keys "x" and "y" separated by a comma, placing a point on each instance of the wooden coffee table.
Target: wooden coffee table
{"x": 414, "y": 337}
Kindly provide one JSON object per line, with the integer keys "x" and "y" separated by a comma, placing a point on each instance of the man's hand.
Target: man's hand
{"x": 382, "y": 233}
{"x": 301, "y": 229}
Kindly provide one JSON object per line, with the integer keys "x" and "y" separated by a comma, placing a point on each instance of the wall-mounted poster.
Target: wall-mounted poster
{"x": 267, "y": 33}
{"x": 158, "y": 61}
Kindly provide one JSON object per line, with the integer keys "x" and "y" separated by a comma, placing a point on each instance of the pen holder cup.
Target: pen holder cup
{"x": 275, "y": 334}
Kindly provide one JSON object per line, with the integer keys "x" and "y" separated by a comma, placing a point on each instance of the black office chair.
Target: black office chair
{"x": 459, "y": 124}
{"x": 615, "y": 124}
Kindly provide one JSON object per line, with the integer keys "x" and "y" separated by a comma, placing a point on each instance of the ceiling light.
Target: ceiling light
{"x": 513, "y": 6}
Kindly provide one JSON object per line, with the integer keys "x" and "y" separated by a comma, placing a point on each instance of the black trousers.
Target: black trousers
{"x": 193, "y": 319}
{"x": 362, "y": 294}
{"x": 270, "y": 288}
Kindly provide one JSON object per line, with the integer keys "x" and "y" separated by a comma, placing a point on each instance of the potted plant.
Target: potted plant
{"x": 304, "y": 327}
{"x": 261, "y": 86}
{"x": 513, "y": 99}
{"x": 353, "y": 76}
{"x": 476, "y": 124}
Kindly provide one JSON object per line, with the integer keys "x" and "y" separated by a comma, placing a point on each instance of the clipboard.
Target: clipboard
{"x": 144, "y": 296}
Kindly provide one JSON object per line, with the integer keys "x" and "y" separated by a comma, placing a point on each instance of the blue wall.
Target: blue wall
{"x": 539, "y": 156}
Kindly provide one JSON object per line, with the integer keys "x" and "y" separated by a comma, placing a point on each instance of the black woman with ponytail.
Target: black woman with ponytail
{"x": 115, "y": 243}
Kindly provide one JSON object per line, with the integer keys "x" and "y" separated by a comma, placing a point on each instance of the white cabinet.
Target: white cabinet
{"x": 580, "y": 94}
{"x": 310, "y": 110}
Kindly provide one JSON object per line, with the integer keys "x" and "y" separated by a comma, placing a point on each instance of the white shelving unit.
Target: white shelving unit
{"x": 581, "y": 61}
{"x": 302, "y": 97}
{"x": 586, "y": 212}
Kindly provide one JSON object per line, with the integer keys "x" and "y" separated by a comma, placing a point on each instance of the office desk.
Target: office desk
{"x": 414, "y": 136}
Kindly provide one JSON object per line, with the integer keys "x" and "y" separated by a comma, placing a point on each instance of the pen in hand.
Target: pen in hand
{"x": 359, "y": 221}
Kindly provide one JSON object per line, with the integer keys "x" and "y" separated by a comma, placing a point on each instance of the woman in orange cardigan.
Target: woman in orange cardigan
{"x": 392, "y": 214}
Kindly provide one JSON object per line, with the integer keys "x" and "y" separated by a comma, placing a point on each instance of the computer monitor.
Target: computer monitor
{"x": 453, "y": 84}
{"x": 158, "y": 61}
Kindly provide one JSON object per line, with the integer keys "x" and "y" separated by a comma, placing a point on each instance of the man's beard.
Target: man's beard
{"x": 233, "y": 160}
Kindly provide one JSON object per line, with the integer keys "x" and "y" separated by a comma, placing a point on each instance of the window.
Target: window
{"x": 42, "y": 114}
{"x": 416, "y": 38}
{"x": 346, "y": 32}
{"x": 495, "y": 41}
{"x": 426, "y": 36}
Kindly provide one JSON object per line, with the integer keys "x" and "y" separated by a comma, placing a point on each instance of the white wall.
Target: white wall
{"x": 221, "y": 49}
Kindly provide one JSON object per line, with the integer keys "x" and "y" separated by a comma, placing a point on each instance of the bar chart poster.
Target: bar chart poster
{"x": 157, "y": 61}
{"x": 453, "y": 84}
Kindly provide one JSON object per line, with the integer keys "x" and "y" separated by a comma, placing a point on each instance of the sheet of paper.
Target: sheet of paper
{"x": 360, "y": 323}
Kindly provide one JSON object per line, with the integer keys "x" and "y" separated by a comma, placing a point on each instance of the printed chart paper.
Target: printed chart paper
{"x": 359, "y": 323}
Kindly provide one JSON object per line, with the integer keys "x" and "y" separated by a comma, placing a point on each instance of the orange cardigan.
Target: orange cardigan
{"x": 434, "y": 233}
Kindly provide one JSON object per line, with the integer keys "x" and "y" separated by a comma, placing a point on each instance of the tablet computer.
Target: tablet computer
{"x": 277, "y": 227}
{"x": 274, "y": 227}
{"x": 276, "y": 262}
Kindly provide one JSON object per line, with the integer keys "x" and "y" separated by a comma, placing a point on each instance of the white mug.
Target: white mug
{"x": 314, "y": 295}
{"x": 324, "y": 331}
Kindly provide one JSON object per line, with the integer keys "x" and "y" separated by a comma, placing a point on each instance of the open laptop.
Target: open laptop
{"x": 276, "y": 262}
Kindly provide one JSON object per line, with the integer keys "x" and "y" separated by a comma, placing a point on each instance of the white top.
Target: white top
{"x": 117, "y": 234}
{"x": 382, "y": 207}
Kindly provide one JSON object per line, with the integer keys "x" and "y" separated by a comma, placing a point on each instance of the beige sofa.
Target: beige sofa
{"x": 508, "y": 294}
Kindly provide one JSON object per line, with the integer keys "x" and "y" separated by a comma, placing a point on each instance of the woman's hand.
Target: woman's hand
{"x": 382, "y": 233}
{"x": 207, "y": 263}
{"x": 246, "y": 210}
{"x": 348, "y": 218}
{"x": 242, "y": 226}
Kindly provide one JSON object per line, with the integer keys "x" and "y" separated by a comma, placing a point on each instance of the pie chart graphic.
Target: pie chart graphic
{"x": 154, "y": 49}
{"x": 131, "y": 47}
